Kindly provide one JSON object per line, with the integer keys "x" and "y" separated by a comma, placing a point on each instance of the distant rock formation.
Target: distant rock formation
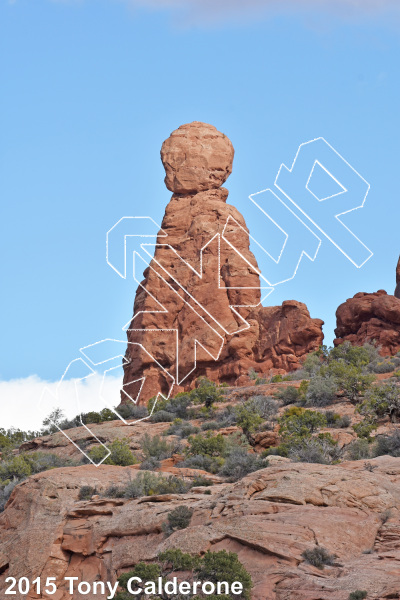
{"x": 371, "y": 318}
{"x": 397, "y": 290}
{"x": 219, "y": 316}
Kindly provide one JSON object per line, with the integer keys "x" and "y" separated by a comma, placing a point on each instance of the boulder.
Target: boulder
{"x": 373, "y": 318}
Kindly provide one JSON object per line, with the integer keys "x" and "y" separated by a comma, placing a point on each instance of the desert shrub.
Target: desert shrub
{"x": 146, "y": 572}
{"x": 200, "y": 461}
{"x": 211, "y": 426}
{"x": 176, "y": 560}
{"x": 382, "y": 366}
{"x": 387, "y": 444}
{"x": 318, "y": 557}
{"x": 321, "y": 449}
{"x": 365, "y": 427}
{"x": 150, "y": 484}
{"x": 179, "y": 518}
{"x": 297, "y": 375}
{"x": 358, "y": 595}
{"x": 181, "y": 428}
{"x": 300, "y": 422}
{"x": 288, "y": 395}
{"x": 247, "y": 417}
{"x": 321, "y": 391}
{"x": 312, "y": 363}
{"x": 276, "y": 378}
{"x": 21, "y": 466}
{"x": 208, "y": 445}
{"x": 265, "y": 406}
{"x": 227, "y": 417}
{"x": 13, "y": 437}
{"x": 252, "y": 374}
{"x": 358, "y": 356}
{"x": 157, "y": 447}
{"x": 132, "y": 411}
{"x": 5, "y": 492}
{"x": 240, "y": 463}
{"x": 114, "y": 491}
{"x": 358, "y": 450}
{"x": 120, "y": 454}
{"x": 201, "y": 481}
{"x": 162, "y": 416}
{"x": 213, "y": 566}
{"x": 350, "y": 378}
{"x": 206, "y": 392}
{"x": 382, "y": 401}
{"x": 86, "y": 492}
{"x": 224, "y": 566}
{"x": 336, "y": 421}
{"x": 150, "y": 464}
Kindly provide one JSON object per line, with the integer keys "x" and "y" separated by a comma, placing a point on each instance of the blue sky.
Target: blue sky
{"x": 90, "y": 89}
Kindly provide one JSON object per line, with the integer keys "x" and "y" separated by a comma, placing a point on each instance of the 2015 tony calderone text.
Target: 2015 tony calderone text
{"x": 135, "y": 586}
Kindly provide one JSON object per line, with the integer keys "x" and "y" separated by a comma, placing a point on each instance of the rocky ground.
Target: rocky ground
{"x": 269, "y": 518}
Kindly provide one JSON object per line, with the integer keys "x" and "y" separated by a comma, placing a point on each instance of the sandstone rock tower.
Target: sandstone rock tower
{"x": 397, "y": 290}
{"x": 197, "y": 311}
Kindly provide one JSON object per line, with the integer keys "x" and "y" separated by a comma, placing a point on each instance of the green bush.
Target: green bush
{"x": 213, "y": 566}
{"x": 321, "y": 390}
{"x": 300, "y": 422}
{"x": 224, "y": 566}
{"x": 179, "y": 518}
{"x": 206, "y": 392}
{"x": 182, "y": 429}
{"x": 240, "y": 463}
{"x": 22, "y": 465}
{"x": 288, "y": 395}
{"x": 358, "y": 450}
{"x": 358, "y": 595}
{"x": 318, "y": 557}
{"x": 208, "y": 445}
{"x": 176, "y": 560}
{"x": 387, "y": 444}
{"x": 5, "y": 492}
{"x": 321, "y": 449}
{"x": 350, "y": 379}
{"x": 150, "y": 484}
{"x": 381, "y": 401}
{"x": 358, "y": 356}
{"x": 146, "y": 572}
{"x": 120, "y": 454}
{"x": 364, "y": 428}
{"x": 247, "y": 418}
{"x": 157, "y": 447}
{"x": 336, "y": 421}
{"x": 86, "y": 492}
{"x": 312, "y": 363}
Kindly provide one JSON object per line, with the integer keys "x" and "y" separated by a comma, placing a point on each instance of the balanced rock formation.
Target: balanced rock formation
{"x": 373, "y": 318}
{"x": 198, "y": 310}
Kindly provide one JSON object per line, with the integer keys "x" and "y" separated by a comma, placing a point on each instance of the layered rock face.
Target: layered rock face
{"x": 268, "y": 518}
{"x": 197, "y": 311}
{"x": 371, "y": 318}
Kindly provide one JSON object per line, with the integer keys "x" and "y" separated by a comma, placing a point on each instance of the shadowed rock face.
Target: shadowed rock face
{"x": 220, "y": 316}
{"x": 397, "y": 290}
{"x": 371, "y": 318}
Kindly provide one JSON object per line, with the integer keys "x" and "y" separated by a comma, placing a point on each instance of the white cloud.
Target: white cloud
{"x": 216, "y": 11}
{"x": 20, "y": 398}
